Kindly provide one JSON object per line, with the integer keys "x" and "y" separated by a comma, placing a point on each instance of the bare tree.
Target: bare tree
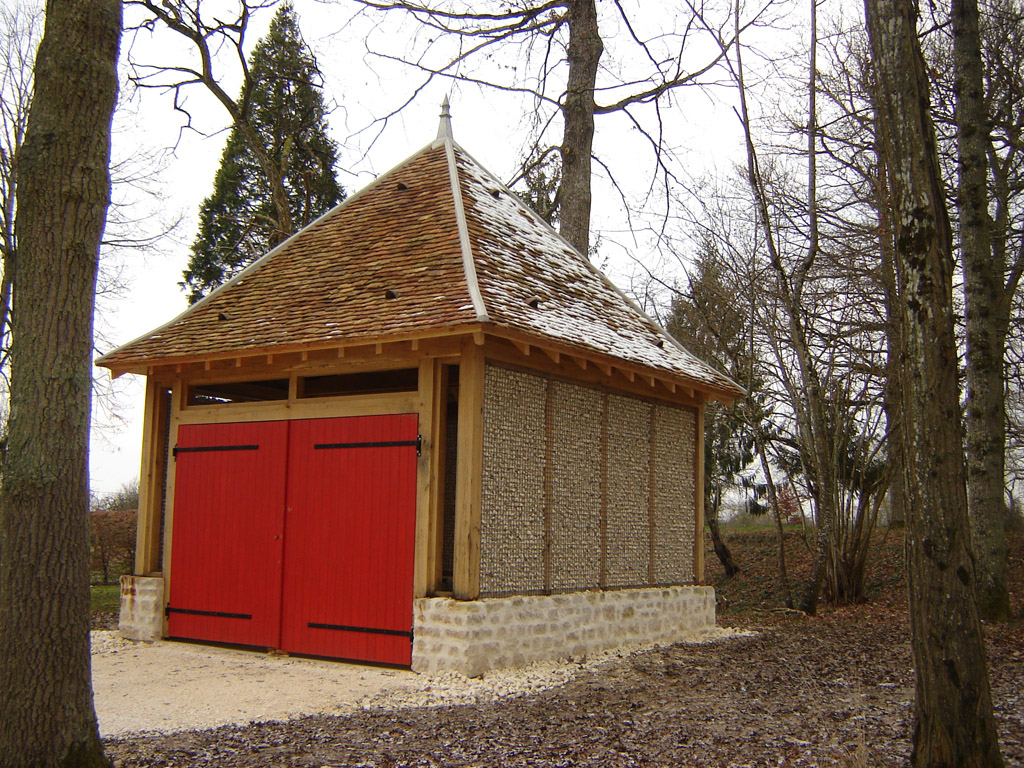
{"x": 954, "y": 720}
{"x": 209, "y": 34}
{"x": 709, "y": 315}
{"x": 552, "y": 52}
{"x": 820, "y": 326}
{"x": 46, "y": 709}
{"x": 791, "y": 278}
{"x": 20, "y": 28}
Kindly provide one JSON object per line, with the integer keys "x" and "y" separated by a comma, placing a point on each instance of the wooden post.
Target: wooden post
{"x": 177, "y": 398}
{"x": 652, "y": 495}
{"x": 468, "y": 476}
{"x": 603, "y": 573}
{"x": 549, "y": 480}
{"x": 154, "y": 456}
{"x": 438, "y": 471}
{"x": 425, "y": 481}
{"x": 698, "y": 502}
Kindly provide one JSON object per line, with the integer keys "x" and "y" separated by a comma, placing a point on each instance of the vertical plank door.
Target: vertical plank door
{"x": 349, "y": 538}
{"x": 227, "y": 543}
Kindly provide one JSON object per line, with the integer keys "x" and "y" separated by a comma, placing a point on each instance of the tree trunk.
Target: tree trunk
{"x": 954, "y": 722}
{"x": 574, "y": 198}
{"x": 984, "y": 298}
{"x": 46, "y": 709}
{"x": 721, "y": 548}
{"x": 893, "y": 392}
{"x": 284, "y": 226}
{"x": 773, "y": 499}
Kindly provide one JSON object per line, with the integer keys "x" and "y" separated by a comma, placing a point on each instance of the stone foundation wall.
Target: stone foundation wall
{"x": 475, "y": 636}
{"x": 142, "y": 608}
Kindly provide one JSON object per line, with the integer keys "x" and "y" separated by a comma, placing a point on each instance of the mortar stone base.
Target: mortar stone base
{"x": 142, "y": 608}
{"x": 472, "y": 637}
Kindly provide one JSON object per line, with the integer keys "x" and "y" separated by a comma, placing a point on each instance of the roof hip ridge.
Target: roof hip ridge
{"x": 468, "y": 263}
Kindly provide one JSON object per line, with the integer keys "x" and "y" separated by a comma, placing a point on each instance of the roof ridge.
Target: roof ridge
{"x": 468, "y": 261}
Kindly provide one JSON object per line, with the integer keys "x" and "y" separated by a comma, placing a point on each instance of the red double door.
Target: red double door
{"x": 297, "y": 535}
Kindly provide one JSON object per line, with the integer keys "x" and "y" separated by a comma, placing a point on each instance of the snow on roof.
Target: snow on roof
{"x": 533, "y": 280}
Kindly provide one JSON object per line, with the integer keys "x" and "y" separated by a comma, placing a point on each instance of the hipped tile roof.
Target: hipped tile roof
{"x": 437, "y": 243}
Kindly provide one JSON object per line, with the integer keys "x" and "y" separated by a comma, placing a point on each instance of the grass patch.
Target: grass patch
{"x": 105, "y": 599}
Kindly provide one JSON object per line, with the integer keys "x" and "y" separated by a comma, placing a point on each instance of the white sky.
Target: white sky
{"x": 492, "y": 127}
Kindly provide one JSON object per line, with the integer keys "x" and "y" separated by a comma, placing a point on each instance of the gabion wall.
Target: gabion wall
{"x": 583, "y": 489}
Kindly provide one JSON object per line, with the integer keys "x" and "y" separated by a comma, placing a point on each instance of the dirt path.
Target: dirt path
{"x": 806, "y": 692}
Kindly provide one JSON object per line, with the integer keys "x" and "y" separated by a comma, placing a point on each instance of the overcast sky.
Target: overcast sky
{"x": 493, "y": 127}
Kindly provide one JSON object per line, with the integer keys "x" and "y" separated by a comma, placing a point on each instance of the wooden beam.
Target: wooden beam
{"x": 502, "y": 351}
{"x": 306, "y": 408}
{"x": 698, "y": 502}
{"x": 341, "y": 352}
{"x": 415, "y": 344}
{"x": 631, "y": 375}
{"x": 522, "y": 346}
{"x": 478, "y": 338}
{"x": 581, "y": 362}
{"x": 604, "y": 368}
{"x": 154, "y": 455}
{"x": 468, "y": 475}
{"x": 379, "y": 348}
{"x": 650, "y": 380}
{"x": 553, "y": 354}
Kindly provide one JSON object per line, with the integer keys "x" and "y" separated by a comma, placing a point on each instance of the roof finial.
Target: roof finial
{"x": 444, "y": 130}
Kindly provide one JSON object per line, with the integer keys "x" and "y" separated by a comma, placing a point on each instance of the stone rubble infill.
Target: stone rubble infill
{"x": 168, "y": 686}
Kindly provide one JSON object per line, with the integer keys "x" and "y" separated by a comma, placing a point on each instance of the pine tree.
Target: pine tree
{"x": 238, "y": 223}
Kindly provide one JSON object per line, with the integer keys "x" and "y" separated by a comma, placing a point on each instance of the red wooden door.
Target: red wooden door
{"x": 226, "y": 546}
{"x": 349, "y": 538}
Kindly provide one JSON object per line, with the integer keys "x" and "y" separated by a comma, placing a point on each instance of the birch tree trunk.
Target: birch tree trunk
{"x": 46, "y": 708}
{"x": 987, "y": 315}
{"x": 954, "y": 725}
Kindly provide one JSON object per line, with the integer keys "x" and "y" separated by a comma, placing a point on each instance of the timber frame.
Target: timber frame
{"x": 166, "y": 408}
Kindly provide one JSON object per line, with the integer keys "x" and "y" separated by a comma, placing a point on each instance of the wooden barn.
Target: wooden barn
{"x": 423, "y": 431}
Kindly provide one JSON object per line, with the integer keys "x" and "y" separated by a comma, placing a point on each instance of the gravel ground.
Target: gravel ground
{"x": 169, "y": 687}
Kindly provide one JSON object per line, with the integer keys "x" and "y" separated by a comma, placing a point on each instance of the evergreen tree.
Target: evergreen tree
{"x": 238, "y": 223}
